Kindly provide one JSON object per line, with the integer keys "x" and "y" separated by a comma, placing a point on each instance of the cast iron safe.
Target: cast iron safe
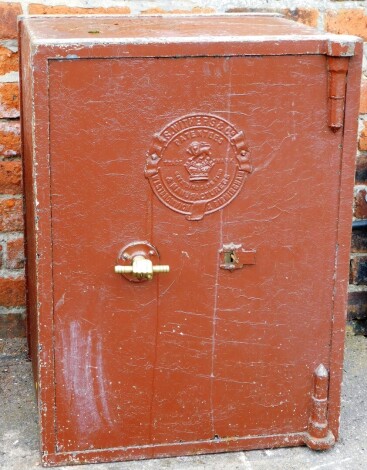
{"x": 188, "y": 190}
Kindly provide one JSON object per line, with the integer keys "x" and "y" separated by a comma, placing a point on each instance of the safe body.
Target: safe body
{"x": 223, "y": 148}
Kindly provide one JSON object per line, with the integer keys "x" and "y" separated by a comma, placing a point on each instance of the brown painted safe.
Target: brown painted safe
{"x": 188, "y": 188}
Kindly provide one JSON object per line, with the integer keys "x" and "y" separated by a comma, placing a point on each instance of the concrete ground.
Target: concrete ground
{"x": 19, "y": 434}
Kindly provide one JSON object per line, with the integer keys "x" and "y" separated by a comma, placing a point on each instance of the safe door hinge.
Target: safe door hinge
{"x": 318, "y": 435}
{"x": 337, "y": 81}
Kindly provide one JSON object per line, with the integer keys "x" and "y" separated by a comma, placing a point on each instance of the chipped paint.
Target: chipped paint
{"x": 79, "y": 372}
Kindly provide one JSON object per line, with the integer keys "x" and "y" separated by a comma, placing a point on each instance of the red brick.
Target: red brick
{"x": 9, "y": 61}
{"x": 359, "y": 241}
{"x": 361, "y": 169}
{"x": 363, "y": 99}
{"x": 11, "y": 215}
{"x": 307, "y": 16}
{"x": 9, "y": 100}
{"x": 362, "y": 143}
{"x": 12, "y": 292}
{"x": 357, "y": 305}
{"x": 9, "y": 138}
{"x": 8, "y": 15}
{"x": 351, "y": 21}
{"x": 358, "y": 270}
{"x": 15, "y": 254}
{"x": 39, "y": 9}
{"x": 12, "y": 325}
{"x": 358, "y": 327}
{"x": 245, "y": 10}
{"x": 10, "y": 177}
{"x": 195, "y": 10}
{"x": 360, "y": 204}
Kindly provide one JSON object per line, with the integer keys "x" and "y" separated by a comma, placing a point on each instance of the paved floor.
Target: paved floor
{"x": 19, "y": 439}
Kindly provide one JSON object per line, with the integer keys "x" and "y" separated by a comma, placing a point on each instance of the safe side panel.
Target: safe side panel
{"x": 347, "y": 175}
{"x": 188, "y": 356}
{"x": 27, "y": 123}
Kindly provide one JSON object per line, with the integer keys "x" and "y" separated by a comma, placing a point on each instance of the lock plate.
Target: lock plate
{"x": 233, "y": 256}
{"x": 142, "y": 249}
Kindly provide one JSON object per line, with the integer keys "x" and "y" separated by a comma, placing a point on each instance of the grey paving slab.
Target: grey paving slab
{"x": 19, "y": 434}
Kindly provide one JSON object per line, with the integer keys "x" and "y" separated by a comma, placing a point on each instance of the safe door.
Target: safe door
{"x": 194, "y": 246}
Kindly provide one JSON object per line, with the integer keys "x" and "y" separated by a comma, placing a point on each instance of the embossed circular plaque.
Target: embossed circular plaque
{"x": 197, "y": 164}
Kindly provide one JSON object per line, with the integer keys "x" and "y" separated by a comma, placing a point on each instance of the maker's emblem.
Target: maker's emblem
{"x": 198, "y": 164}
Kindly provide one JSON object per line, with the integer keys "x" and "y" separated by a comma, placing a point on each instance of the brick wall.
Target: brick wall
{"x": 336, "y": 16}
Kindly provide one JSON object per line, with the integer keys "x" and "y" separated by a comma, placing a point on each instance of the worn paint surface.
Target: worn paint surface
{"x": 200, "y": 359}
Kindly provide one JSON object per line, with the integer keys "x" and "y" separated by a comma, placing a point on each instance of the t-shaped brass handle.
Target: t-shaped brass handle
{"x": 142, "y": 268}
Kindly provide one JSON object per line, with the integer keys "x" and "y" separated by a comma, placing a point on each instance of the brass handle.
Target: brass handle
{"x": 142, "y": 268}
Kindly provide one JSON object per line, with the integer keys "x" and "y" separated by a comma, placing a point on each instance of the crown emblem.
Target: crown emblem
{"x": 200, "y": 163}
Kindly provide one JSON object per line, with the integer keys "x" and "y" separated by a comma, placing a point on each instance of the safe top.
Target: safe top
{"x": 214, "y": 32}
{"x": 188, "y": 188}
